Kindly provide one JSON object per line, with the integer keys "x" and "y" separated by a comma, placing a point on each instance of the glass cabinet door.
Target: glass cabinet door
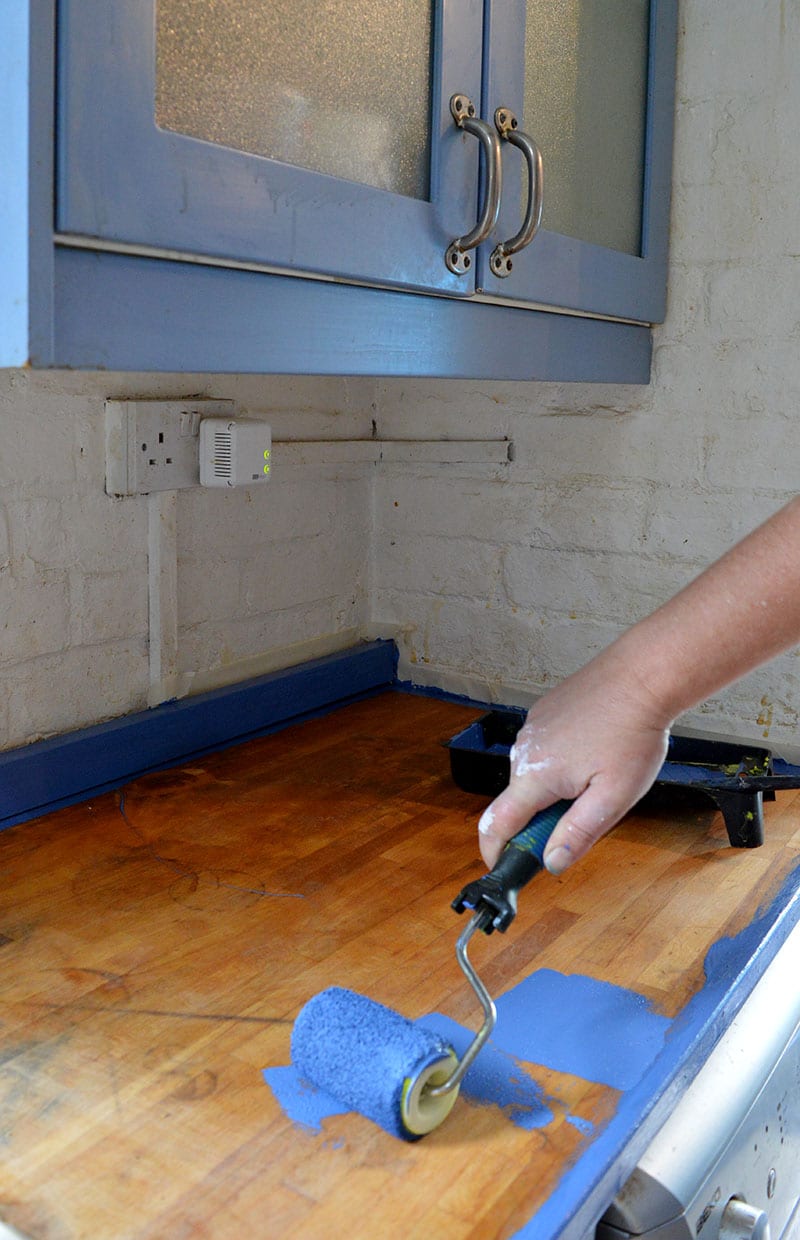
{"x": 300, "y": 135}
{"x": 335, "y": 87}
{"x": 585, "y": 99}
{"x": 585, "y": 84}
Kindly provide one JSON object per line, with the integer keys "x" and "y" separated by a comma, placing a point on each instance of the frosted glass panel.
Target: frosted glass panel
{"x": 330, "y": 85}
{"x": 585, "y": 107}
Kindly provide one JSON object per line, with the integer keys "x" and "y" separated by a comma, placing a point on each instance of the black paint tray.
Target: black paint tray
{"x": 737, "y": 777}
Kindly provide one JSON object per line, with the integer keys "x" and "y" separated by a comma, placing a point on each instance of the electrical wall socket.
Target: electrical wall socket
{"x": 153, "y": 445}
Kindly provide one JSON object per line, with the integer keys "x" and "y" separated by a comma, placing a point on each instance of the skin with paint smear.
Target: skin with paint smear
{"x": 599, "y": 739}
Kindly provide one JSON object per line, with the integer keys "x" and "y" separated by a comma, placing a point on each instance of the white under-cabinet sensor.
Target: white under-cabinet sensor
{"x": 234, "y": 452}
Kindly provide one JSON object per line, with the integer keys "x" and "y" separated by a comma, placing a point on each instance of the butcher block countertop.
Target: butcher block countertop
{"x": 158, "y": 942}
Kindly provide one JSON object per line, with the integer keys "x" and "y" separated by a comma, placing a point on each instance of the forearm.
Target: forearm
{"x": 599, "y": 738}
{"x": 738, "y": 614}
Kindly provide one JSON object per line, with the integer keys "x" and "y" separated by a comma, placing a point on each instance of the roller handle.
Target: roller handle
{"x": 522, "y": 858}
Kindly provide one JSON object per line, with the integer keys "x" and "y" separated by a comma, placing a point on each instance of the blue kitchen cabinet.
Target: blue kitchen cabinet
{"x": 290, "y": 188}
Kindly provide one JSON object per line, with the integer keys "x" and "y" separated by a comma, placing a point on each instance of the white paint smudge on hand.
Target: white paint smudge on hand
{"x": 486, "y": 822}
{"x": 522, "y": 763}
{"x": 525, "y": 768}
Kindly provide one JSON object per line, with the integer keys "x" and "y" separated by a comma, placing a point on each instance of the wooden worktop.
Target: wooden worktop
{"x": 157, "y": 944}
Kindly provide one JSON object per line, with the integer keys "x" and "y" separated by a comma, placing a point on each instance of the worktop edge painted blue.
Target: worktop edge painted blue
{"x": 75, "y": 766}
{"x": 733, "y": 968}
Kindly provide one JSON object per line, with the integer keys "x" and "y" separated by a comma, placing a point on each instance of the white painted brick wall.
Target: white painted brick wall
{"x": 262, "y": 570}
{"x": 35, "y": 618}
{"x": 243, "y": 642}
{"x": 74, "y": 687}
{"x": 257, "y": 574}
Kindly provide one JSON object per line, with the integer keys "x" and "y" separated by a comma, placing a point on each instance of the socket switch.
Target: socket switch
{"x": 153, "y": 445}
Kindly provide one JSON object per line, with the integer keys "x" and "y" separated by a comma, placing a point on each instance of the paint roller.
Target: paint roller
{"x": 372, "y": 1059}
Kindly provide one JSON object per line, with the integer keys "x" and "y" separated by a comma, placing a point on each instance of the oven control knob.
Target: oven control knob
{"x": 743, "y": 1222}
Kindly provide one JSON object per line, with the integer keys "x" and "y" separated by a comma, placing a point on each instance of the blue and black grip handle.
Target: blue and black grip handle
{"x": 521, "y": 859}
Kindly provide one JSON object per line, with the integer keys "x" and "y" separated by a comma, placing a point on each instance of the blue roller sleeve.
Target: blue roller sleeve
{"x": 520, "y": 860}
{"x": 363, "y": 1053}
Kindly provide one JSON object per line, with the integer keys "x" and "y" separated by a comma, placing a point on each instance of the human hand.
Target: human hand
{"x": 597, "y": 740}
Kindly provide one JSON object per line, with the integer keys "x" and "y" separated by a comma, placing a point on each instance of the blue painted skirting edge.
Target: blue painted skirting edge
{"x": 445, "y": 695}
{"x": 78, "y": 765}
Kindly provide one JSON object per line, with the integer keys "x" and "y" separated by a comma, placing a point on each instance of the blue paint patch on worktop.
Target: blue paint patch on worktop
{"x": 584, "y": 1126}
{"x": 572, "y": 1024}
{"x": 302, "y": 1102}
{"x": 578, "y": 1025}
{"x": 495, "y": 1079}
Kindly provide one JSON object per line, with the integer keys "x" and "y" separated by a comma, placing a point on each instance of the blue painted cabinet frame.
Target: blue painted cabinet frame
{"x": 89, "y": 288}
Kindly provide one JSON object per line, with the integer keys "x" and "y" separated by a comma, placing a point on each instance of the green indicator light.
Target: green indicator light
{"x": 266, "y": 469}
{"x": 267, "y": 454}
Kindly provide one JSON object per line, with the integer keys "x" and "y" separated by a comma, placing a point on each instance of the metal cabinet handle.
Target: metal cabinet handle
{"x": 506, "y": 123}
{"x": 462, "y": 110}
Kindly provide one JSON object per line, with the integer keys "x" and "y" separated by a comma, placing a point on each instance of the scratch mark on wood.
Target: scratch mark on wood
{"x": 106, "y": 1011}
{"x": 151, "y": 848}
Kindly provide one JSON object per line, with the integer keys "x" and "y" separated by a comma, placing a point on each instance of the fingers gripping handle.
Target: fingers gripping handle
{"x": 521, "y": 859}
{"x": 534, "y": 837}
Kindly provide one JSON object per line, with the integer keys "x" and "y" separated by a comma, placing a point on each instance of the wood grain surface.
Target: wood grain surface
{"x": 157, "y": 943}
